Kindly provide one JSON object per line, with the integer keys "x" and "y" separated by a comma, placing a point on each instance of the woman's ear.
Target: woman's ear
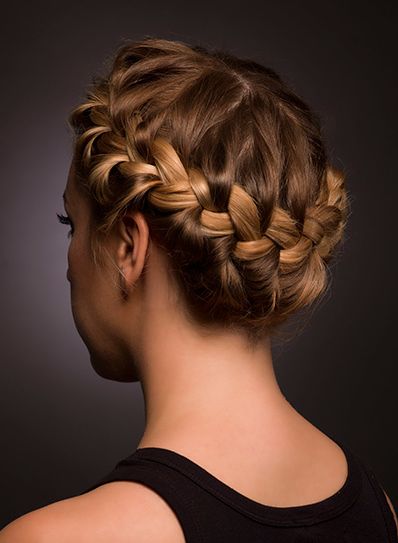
{"x": 132, "y": 243}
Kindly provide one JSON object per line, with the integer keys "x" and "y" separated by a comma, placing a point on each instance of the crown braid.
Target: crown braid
{"x": 237, "y": 262}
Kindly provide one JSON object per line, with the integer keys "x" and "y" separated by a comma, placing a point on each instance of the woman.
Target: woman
{"x": 204, "y": 213}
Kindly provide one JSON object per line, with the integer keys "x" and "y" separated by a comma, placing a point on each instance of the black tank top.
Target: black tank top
{"x": 209, "y": 511}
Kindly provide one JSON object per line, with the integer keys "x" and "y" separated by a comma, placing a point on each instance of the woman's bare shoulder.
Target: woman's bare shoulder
{"x": 120, "y": 511}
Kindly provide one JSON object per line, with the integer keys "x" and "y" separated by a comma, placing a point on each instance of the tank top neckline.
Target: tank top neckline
{"x": 297, "y": 515}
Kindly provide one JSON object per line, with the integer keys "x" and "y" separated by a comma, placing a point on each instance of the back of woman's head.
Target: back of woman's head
{"x": 229, "y": 168}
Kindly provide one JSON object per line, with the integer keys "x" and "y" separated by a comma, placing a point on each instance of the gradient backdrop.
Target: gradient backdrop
{"x": 62, "y": 426}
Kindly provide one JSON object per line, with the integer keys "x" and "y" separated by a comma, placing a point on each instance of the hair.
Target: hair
{"x": 228, "y": 165}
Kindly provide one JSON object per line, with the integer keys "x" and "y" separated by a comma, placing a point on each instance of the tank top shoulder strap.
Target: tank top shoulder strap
{"x": 168, "y": 486}
{"x": 373, "y": 485}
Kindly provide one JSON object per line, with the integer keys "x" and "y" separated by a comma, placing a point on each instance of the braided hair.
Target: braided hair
{"x": 228, "y": 165}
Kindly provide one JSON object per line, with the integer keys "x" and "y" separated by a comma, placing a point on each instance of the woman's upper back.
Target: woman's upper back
{"x": 196, "y": 506}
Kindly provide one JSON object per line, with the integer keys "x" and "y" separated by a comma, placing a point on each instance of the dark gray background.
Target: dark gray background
{"x": 62, "y": 425}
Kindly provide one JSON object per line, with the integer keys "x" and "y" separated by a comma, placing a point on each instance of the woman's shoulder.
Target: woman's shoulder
{"x": 140, "y": 514}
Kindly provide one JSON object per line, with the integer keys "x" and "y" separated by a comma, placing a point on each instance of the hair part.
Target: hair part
{"x": 228, "y": 166}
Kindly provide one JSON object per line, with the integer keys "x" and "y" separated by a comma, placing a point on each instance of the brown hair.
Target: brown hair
{"x": 227, "y": 164}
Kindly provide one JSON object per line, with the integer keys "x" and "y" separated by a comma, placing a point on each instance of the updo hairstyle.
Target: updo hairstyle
{"x": 228, "y": 166}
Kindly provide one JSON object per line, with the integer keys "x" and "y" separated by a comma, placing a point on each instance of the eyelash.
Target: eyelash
{"x": 63, "y": 219}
